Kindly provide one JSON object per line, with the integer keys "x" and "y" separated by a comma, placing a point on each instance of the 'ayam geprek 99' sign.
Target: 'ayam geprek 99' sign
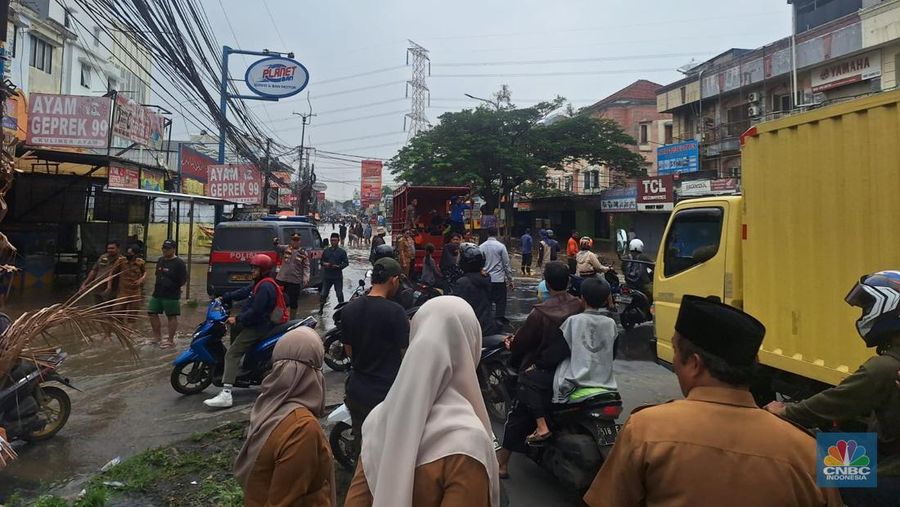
{"x": 68, "y": 120}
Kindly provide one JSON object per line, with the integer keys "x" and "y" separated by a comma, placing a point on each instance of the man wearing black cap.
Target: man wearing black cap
{"x": 171, "y": 275}
{"x": 716, "y": 447}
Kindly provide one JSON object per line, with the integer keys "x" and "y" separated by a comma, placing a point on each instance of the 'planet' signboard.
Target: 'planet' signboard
{"x": 276, "y": 77}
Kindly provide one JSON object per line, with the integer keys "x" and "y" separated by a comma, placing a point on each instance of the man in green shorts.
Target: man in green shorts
{"x": 171, "y": 275}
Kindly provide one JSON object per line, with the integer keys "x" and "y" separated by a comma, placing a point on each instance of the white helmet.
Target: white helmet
{"x": 636, "y": 245}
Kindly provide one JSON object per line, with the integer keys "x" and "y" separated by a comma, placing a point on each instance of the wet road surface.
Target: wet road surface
{"x": 128, "y": 404}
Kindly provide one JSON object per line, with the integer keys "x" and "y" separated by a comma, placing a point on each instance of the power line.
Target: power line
{"x": 361, "y": 74}
{"x": 274, "y": 24}
{"x": 573, "y": 60}
{"x": 338, "y": 141}
{"x": 344, "y": 92}
{"x": 573, "y": 73}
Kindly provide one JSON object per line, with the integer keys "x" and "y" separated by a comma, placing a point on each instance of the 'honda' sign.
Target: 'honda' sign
{"x": 656, "y": 194}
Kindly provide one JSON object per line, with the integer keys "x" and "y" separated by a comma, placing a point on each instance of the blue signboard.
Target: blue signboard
{"x": 678, "y": 158}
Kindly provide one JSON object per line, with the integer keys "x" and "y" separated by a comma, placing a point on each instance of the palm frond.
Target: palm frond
{"x": 106, "y": 319}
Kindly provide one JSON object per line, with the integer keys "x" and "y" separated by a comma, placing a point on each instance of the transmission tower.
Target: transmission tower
{"x": 421, "y": 97}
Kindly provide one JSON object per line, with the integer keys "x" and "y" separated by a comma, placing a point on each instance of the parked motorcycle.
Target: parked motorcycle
{"x": 30, "y": 409}
{"x": 343, "y": 445}
{"x": 492, "y": 377}
{"x": 203, "y": 362}
{"x": 335, "y": 356}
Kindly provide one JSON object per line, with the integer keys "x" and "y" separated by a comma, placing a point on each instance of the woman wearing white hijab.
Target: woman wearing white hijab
{"x": 286, "y": 460}
{"x": 429, "y": 443}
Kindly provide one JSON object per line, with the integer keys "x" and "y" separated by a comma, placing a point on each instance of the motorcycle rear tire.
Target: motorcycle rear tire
{"x": 45, "y": 395}
{"x": 195, "y": 387}
{"x": 341, "y": 362}
{"x": 342, "y": 447}
{"x": 496, "y": 398}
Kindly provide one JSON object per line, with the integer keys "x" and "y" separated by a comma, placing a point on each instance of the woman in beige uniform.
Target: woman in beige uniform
{"x": 286, "y": 460}
{"x": 429, "y": 443}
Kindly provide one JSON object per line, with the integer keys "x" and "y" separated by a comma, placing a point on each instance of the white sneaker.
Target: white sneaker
{"x": 222, "y": 400}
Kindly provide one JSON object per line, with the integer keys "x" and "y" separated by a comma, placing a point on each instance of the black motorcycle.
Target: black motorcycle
{"x": 493, "y": 377}
{"x": 31, "y": 409}
{"x": 635, "y": 300}
{"x": 584, "y": 431}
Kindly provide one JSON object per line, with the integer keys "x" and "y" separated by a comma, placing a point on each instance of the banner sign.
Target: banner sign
{"x": 194, "y": 169}
{"x": 276, "y": 77}
{"x": 723, "y": 186}
{"x": 153, "y": 180}
{"x": 238, "y": 183}
{"x": 137, "y": 123}
{"x": 371, "y": 183}
{"x": 694, "y": 188}
{"x": 618, "y": 200}
{"x": 843, "y": 72}
{"x": 68, "y": 120}
{"x": 656, "y": 194}
{"x": 320, "y": 196}
{"x": 123, "y": 177}
{"x": 678, "y": 158}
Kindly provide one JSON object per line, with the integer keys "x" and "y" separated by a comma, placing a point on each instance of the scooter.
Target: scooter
{"x": 584, "y": 430}
{"x": 203, "y": 362}
{"x": 29, "y": 409}
{"x": 492, "y": 377}
{"x": 635, "y": 307}
{"x": 343, "y": 445}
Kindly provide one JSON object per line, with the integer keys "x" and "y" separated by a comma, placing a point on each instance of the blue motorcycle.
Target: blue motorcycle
{"x": 203, "y": 362}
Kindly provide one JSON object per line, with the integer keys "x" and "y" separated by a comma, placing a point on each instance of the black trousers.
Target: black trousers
{"x": 533, "y": 393}
{"x": 498, "y": 298}
{"x": 327, "y": 284}
{"x": 292, "y": 293}
{"x": 526, "y": 261}
{"x": 573, "y": 265}
{"x": 358, "y": 414}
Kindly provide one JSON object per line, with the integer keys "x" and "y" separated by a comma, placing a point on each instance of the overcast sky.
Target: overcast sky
{"x": 475, "y": 47}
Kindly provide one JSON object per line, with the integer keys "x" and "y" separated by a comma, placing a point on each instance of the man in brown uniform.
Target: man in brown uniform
{"x": 131, "y": 281}
{"x": 716, "y": 447}
{"x": 108, "y": 264}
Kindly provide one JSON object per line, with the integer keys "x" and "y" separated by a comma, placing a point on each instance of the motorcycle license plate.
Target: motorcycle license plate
{"x": 240, "y": 277}
{"x": 608, "y": 434}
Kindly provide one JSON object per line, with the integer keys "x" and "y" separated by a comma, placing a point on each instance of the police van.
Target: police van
{"x": 234, "y": 243}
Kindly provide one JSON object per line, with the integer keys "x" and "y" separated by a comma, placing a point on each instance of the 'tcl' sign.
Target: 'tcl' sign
{"x": 656, "y": 194}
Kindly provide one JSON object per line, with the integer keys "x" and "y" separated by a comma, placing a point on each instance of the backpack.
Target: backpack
{"x": 280, "y": 313}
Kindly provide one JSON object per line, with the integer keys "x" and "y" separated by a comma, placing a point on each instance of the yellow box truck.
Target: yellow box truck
{"x": 820, "y": 206}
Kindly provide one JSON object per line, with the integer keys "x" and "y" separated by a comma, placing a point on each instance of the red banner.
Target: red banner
{"x": 194, "y": 169}
{"x": 123, "y": 177}
{"x": 68, "y": 120}
{"x": 137, "y": 123}
{"x": 238, "y": 183}
{"x": 370, "y": 188}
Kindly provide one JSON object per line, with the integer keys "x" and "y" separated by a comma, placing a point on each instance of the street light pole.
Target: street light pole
{"x": 491, "y": 102}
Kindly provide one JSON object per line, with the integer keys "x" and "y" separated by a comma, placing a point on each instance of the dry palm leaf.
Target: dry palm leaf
{"x": 7, "y": 453}
{"x": 106, "y": 318}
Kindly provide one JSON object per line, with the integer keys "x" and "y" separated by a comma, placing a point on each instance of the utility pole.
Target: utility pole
{"x": 421, "y": 96}
{"x": 303, "y": 177}
{"x": 268, "y": 174}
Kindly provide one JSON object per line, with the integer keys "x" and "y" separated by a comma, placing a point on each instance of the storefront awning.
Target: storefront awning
{"x": 167, "y": 195}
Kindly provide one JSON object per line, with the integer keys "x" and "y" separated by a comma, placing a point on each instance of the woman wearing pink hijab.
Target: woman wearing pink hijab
{"x": 286, "y": 460}
{"x": 430, "y": 443}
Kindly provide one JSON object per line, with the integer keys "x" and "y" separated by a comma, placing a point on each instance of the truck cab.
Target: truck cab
{"x": 700, "y": 255}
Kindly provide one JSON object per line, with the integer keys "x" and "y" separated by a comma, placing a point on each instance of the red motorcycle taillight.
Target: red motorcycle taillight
{"x": 612, "y": 411}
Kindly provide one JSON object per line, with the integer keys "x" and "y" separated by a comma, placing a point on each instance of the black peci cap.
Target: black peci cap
{"x": 719, "y": 329}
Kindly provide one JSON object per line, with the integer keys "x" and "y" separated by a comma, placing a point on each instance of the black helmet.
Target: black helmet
{"x": 471, "y": 260}
{"x": 382, "y": 251}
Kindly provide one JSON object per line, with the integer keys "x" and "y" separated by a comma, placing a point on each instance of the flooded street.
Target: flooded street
{"x": 128, "y": 404}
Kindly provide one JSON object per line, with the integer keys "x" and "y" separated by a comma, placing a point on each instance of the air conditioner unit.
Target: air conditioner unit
{"x": 753, "y": 97}
{"x": 754, "y": 111}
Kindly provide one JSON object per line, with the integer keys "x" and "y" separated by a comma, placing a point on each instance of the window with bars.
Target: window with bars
{"x": 86, "y": 75}
{"x": 41, "y": 54}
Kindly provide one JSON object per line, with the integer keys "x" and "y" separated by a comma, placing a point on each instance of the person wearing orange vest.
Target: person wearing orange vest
{"x": 253, "y": 323}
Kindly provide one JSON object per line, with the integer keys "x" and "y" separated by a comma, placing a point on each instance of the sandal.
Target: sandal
{"x": 534, "y": 438}
{"x": 166, "y": 345}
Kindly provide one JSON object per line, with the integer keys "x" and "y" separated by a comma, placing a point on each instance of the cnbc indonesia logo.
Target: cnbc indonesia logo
{"x": 846, "y": 460}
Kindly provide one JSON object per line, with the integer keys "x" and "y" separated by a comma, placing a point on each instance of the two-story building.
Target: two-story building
{"x": 840, "y": 49}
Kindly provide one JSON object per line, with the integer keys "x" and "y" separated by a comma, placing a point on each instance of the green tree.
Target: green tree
{"x": 494, "y": 150}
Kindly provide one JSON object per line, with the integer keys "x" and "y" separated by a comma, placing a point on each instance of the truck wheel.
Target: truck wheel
{"x": 54, "y": 408}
